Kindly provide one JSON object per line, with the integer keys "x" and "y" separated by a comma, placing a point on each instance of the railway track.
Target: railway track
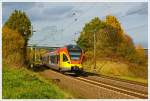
{"x": 97, "y": 86}
{"x": 121, "y": 83}
{"x": 120, "y": 89}
{"x": 129, "y": 89}
{"x": 123, "y": 80}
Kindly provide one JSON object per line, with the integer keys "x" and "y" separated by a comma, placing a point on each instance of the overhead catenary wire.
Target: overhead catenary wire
{"x": 76, "y": 19}
{"x": 132, "y": 13}
{"x": 137, "y": 27}
{"x": 104, "y": 16}
{"x": 73, "y": 22}
{"x": 61, "y": 29}
{"x": 64, "y": 29}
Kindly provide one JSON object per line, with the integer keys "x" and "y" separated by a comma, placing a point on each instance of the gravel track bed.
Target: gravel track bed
{"x": 82, "y": 89}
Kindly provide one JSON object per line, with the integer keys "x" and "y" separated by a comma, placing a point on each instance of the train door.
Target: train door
{"x": 64, "y": 61}
{"x": 61, "y": 60}
{"x": 49, "y": 59}
{"x": 58, "y": 59}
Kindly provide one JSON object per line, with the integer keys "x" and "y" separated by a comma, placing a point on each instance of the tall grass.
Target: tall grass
{"x": 118, "y": 68}
{"x": 23, "y": 84}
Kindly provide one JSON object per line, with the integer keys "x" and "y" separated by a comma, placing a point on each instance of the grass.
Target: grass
{"x": 118, "y": 69}
{"x": 134, "y": 79}
{"x": 21, "y": 83}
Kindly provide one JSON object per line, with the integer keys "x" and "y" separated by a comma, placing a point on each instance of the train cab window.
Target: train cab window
{"x": 65, "y": 58}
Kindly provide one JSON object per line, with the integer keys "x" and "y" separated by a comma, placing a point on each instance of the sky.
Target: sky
{"x": 58, "y": 24}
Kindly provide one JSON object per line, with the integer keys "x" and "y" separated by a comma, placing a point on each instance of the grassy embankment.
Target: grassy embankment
{"x": 22, "y": 83}
{"x": 119, "y": 69}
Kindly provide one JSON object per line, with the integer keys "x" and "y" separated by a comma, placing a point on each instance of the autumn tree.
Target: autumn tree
{"x": 106, "y": 35}
{"x": 20, "y": 22}
{"x": 113, "y": 21}
{"x": 12, "y": 46}
{"x": 111, "y": 40}
{"x": 86, "y": 37}
{"x": 141, "y": 54}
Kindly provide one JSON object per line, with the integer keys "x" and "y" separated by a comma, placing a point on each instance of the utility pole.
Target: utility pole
{"x": 35, "y": 52}
{"x": 94, "y": 46}
{"x": 75, "y": 37}
{"x": 94, "y": 52}
{"x": 32, "y": 31}
{"x": 34, "y": 46}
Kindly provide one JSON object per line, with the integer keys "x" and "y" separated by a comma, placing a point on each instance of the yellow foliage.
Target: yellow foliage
{"x": 12, "y": 46}
{"x": 112, "y": 20}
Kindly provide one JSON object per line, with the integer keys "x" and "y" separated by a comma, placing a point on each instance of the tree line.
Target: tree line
{"x": 111, "y": 41}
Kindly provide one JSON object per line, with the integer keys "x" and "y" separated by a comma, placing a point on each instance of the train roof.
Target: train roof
{"x": 73, "y": 47}
{"x": 69, "y": 47}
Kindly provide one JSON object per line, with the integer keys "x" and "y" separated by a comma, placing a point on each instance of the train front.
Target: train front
{"x": 76, "y": 56}
{"x": 72, "y": 58}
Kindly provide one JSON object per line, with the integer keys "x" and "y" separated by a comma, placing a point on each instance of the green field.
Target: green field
{"x": 21, "y": 83}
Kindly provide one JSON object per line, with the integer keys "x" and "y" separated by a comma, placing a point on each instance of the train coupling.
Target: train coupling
{"x": 75, "y": 68}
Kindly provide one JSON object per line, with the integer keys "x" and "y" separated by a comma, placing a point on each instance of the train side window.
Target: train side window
{"x": 52, "y": 59}
{"x": 49, "y": 59}
{"x": 55, "y": 59}
{"x": 65, "y": 58}
{"x": 58, "y": 58}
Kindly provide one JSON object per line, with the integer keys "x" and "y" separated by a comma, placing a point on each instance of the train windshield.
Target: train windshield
{"x": 74, "y": 52}
{"x": 75, "y": 55}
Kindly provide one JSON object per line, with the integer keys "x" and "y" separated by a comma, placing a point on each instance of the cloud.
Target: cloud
{"x": 38, "y": 11}
{"x": 18, "y": 5}
{"x": 44, "y": 15}
{"x": 9, "y": 7}
{"x": 49, "y": 12}
{"x": 141, "y": 10}
{"x": 57, "y": 11}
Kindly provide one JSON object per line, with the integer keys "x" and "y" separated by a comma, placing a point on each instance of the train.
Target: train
{"x": 64, "y": 59}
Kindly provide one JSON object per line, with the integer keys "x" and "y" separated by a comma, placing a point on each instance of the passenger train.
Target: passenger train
{"x": 65, "y": 59}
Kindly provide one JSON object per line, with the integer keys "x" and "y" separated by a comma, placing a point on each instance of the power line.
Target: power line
{"x": 132, "y": 13}
{"x": 53, "y": 30}
{"x": 141, "y": 26}
{"x": 67, "y": 25}
{"x": 61, "y": 30}
{"x": 76, "y": 19}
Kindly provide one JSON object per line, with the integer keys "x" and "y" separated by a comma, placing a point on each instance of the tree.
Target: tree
{"x": 12, "y": 46}
{"x": 110, "y": 39}
{"x": 141, "y": 54}
{"x": 86, "y": 40}
{"x": 20, "y": 22}
{"x": 113, "y": 21}
{"x": 106, "y": 36}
